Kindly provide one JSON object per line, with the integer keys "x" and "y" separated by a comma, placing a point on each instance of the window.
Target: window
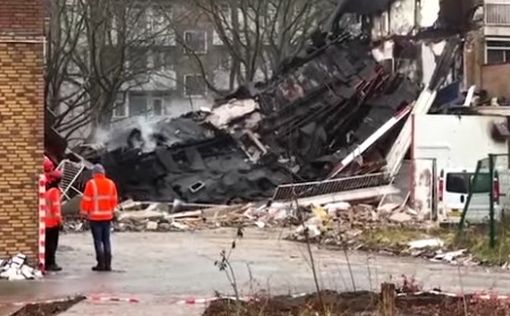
{"x": 460, "y": 183}
{"x": 157, "y": 106}
{"x": 196, "y": 41}
{"x": 162, "y": 60}
{"x": 224, "y": 62}
{"x": 160, "y": 25}
{"x": 137, "y": 58}
{"x": 137, "y": 103}
{"x": 194, "y": 86}
{"x": 120, "y": 108}
{"x": 498, "y": 52}
{"x": 497, "y": 13}
{"x": 139, "y": 18}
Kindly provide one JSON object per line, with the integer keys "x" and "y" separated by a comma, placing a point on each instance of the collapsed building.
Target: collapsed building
{"x": 295, "y": 127}
{"x": 331, "y": 112}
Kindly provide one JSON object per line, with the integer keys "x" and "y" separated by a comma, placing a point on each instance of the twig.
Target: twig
{"x": 310, "y": 255}
{"x": 369, "y": 273}
{"x": 349, "y": 266}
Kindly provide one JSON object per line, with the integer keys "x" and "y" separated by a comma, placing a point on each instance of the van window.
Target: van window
{"x": 459, "y": 182}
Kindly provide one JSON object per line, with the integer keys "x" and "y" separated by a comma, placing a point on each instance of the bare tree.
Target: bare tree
{"x": 258, "y": 35}
{"x": 97, "y": 51}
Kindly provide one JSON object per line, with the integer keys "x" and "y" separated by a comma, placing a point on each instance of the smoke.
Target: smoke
{"x": 116, "y": 136}
{"x": 146, "y": 127}
{"x": 101, "y": 136}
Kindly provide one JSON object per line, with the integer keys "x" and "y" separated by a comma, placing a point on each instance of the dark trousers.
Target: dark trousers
{"x": 101, "y": 234}
{"x": 51, "y": 245}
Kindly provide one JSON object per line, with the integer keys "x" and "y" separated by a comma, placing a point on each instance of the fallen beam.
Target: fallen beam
{"x": 370, "y": 141}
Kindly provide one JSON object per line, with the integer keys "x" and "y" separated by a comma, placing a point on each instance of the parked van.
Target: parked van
{"x": 453, "y": 191}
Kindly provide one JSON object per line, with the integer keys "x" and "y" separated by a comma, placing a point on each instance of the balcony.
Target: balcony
{"x": 497, "y": 18}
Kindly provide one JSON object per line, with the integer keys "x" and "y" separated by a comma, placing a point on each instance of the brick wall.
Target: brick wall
{"x": 21, "y": 124}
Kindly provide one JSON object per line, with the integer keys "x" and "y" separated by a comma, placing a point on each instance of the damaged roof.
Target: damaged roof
{"x": 294, "y": 127}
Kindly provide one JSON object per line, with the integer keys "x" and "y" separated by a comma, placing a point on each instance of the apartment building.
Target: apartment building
{"x": 176, "y": 84}
{"x": 487, "y": 49}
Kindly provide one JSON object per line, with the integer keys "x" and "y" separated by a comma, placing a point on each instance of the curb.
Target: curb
{"x": 21, "y": 304}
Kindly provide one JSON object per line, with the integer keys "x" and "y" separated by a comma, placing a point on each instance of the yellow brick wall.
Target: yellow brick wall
{"x": 21, "y": 143}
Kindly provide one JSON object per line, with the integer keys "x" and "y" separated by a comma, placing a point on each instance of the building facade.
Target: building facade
{"x": 21, "y": 124}
{"x": 487, "y": 50}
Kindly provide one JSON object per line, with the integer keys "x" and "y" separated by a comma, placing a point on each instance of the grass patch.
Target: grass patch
{"x": 475, "y": 239}
{"x": 397, "y": 238}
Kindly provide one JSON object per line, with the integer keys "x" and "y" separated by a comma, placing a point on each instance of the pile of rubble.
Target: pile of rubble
{"x": 296, "y": 127}
{"x": 16, "y": 268}
{"x": 341, "y": 223}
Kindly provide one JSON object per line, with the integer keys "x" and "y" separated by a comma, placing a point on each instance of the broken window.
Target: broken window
{"x": 137, "y": 103}
{"x": 498, "y": 52}
{"x": 194, "y": 86}
{"x": 196, "y": 41}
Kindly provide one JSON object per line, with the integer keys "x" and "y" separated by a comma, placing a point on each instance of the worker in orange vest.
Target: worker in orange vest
{"x": 98, "y": 206}
{"x": 53, "y": 222}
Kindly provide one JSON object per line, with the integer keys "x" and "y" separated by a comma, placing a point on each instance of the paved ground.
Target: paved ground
{"x": 160, "y": 269}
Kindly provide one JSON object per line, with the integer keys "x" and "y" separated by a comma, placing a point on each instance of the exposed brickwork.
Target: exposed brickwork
{"x": 21, "y": 124}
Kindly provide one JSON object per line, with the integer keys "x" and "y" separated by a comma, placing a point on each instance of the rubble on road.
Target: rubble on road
{"x": 337, "y": 225}
{"x": 17, "y": 268}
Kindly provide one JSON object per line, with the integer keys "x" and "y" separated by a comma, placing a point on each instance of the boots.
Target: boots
{"x": 100, "y": 263}
{"x": 108, "y": 262}
{"x": 53, "y": 267}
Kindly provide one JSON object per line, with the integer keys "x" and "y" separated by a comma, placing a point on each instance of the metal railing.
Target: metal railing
{"x": 307, "y": 189}
{"x": 71, "y": 172}
{"x": 497, "y": 12}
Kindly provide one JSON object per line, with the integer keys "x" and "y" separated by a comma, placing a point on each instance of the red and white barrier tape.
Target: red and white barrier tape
{"x": 99, "y": 298}
{"x": 482, "y": 296}
{"x": 42, "y": 223}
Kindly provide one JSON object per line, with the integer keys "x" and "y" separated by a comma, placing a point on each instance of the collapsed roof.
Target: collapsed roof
{"x": 295, "y": 127}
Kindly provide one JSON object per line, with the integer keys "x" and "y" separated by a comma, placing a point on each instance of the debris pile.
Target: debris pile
{"x": 161, "y": 217}
{"x": 16, "y": 268}
{"x": 340, "y": 224}
{"x": 296, "y": 127}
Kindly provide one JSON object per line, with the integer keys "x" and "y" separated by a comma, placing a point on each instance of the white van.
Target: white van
{"x": 453, "y": 191}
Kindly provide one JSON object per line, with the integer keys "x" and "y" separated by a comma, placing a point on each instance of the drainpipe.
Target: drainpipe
{"x": 417, "y": 15}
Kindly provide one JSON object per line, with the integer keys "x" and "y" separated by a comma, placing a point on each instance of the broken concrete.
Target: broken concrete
{"x": 17, "y": 268}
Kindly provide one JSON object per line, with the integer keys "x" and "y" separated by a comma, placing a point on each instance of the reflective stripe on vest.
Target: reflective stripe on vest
{"x": 96, "y": 198}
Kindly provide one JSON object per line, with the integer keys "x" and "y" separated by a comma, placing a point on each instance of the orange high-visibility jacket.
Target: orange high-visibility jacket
{"x": 99, "y": 199}
{"x": 53, "y": 212}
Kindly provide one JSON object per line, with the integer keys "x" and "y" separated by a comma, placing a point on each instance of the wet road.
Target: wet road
{"x": 172, "y": 266}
